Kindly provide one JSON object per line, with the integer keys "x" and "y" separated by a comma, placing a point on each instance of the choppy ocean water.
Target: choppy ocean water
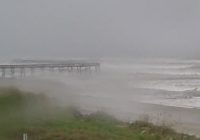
{"x": 166, "y": 82}
{"x": 158, "y": 81}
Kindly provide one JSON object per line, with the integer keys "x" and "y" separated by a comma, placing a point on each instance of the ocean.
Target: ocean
{"x": 169, "y": 82}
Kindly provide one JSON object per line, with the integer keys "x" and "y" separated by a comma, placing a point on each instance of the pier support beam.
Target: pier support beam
{"x": 3, "y": 72}
{"x": 22, "y": 72}
{"x": 12, "y": 71}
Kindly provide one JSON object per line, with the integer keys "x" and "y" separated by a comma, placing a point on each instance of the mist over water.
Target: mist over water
{"x": 158, "y": 81}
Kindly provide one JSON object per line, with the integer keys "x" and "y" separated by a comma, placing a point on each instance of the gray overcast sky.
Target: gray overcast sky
{"x": 99, "y": 28}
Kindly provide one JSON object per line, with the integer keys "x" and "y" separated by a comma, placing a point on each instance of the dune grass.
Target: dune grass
{"x": 36, "y": 115}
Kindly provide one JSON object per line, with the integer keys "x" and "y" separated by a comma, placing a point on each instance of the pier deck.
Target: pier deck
{"x": 10, "y": 70}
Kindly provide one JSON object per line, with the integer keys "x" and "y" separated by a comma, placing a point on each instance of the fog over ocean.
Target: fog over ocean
{"x": 170, "y": 82}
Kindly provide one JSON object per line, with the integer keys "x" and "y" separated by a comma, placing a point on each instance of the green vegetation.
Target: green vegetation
{"x": 41, "y": 119}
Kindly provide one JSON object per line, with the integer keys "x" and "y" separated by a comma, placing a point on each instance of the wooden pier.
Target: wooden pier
{"x": 21, "y": 69}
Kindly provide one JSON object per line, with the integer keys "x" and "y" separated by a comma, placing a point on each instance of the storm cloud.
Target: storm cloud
{"x": 99, "y": 28}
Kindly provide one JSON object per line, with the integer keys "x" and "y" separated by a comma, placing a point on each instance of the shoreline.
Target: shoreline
{"x": 184, "y": 120}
